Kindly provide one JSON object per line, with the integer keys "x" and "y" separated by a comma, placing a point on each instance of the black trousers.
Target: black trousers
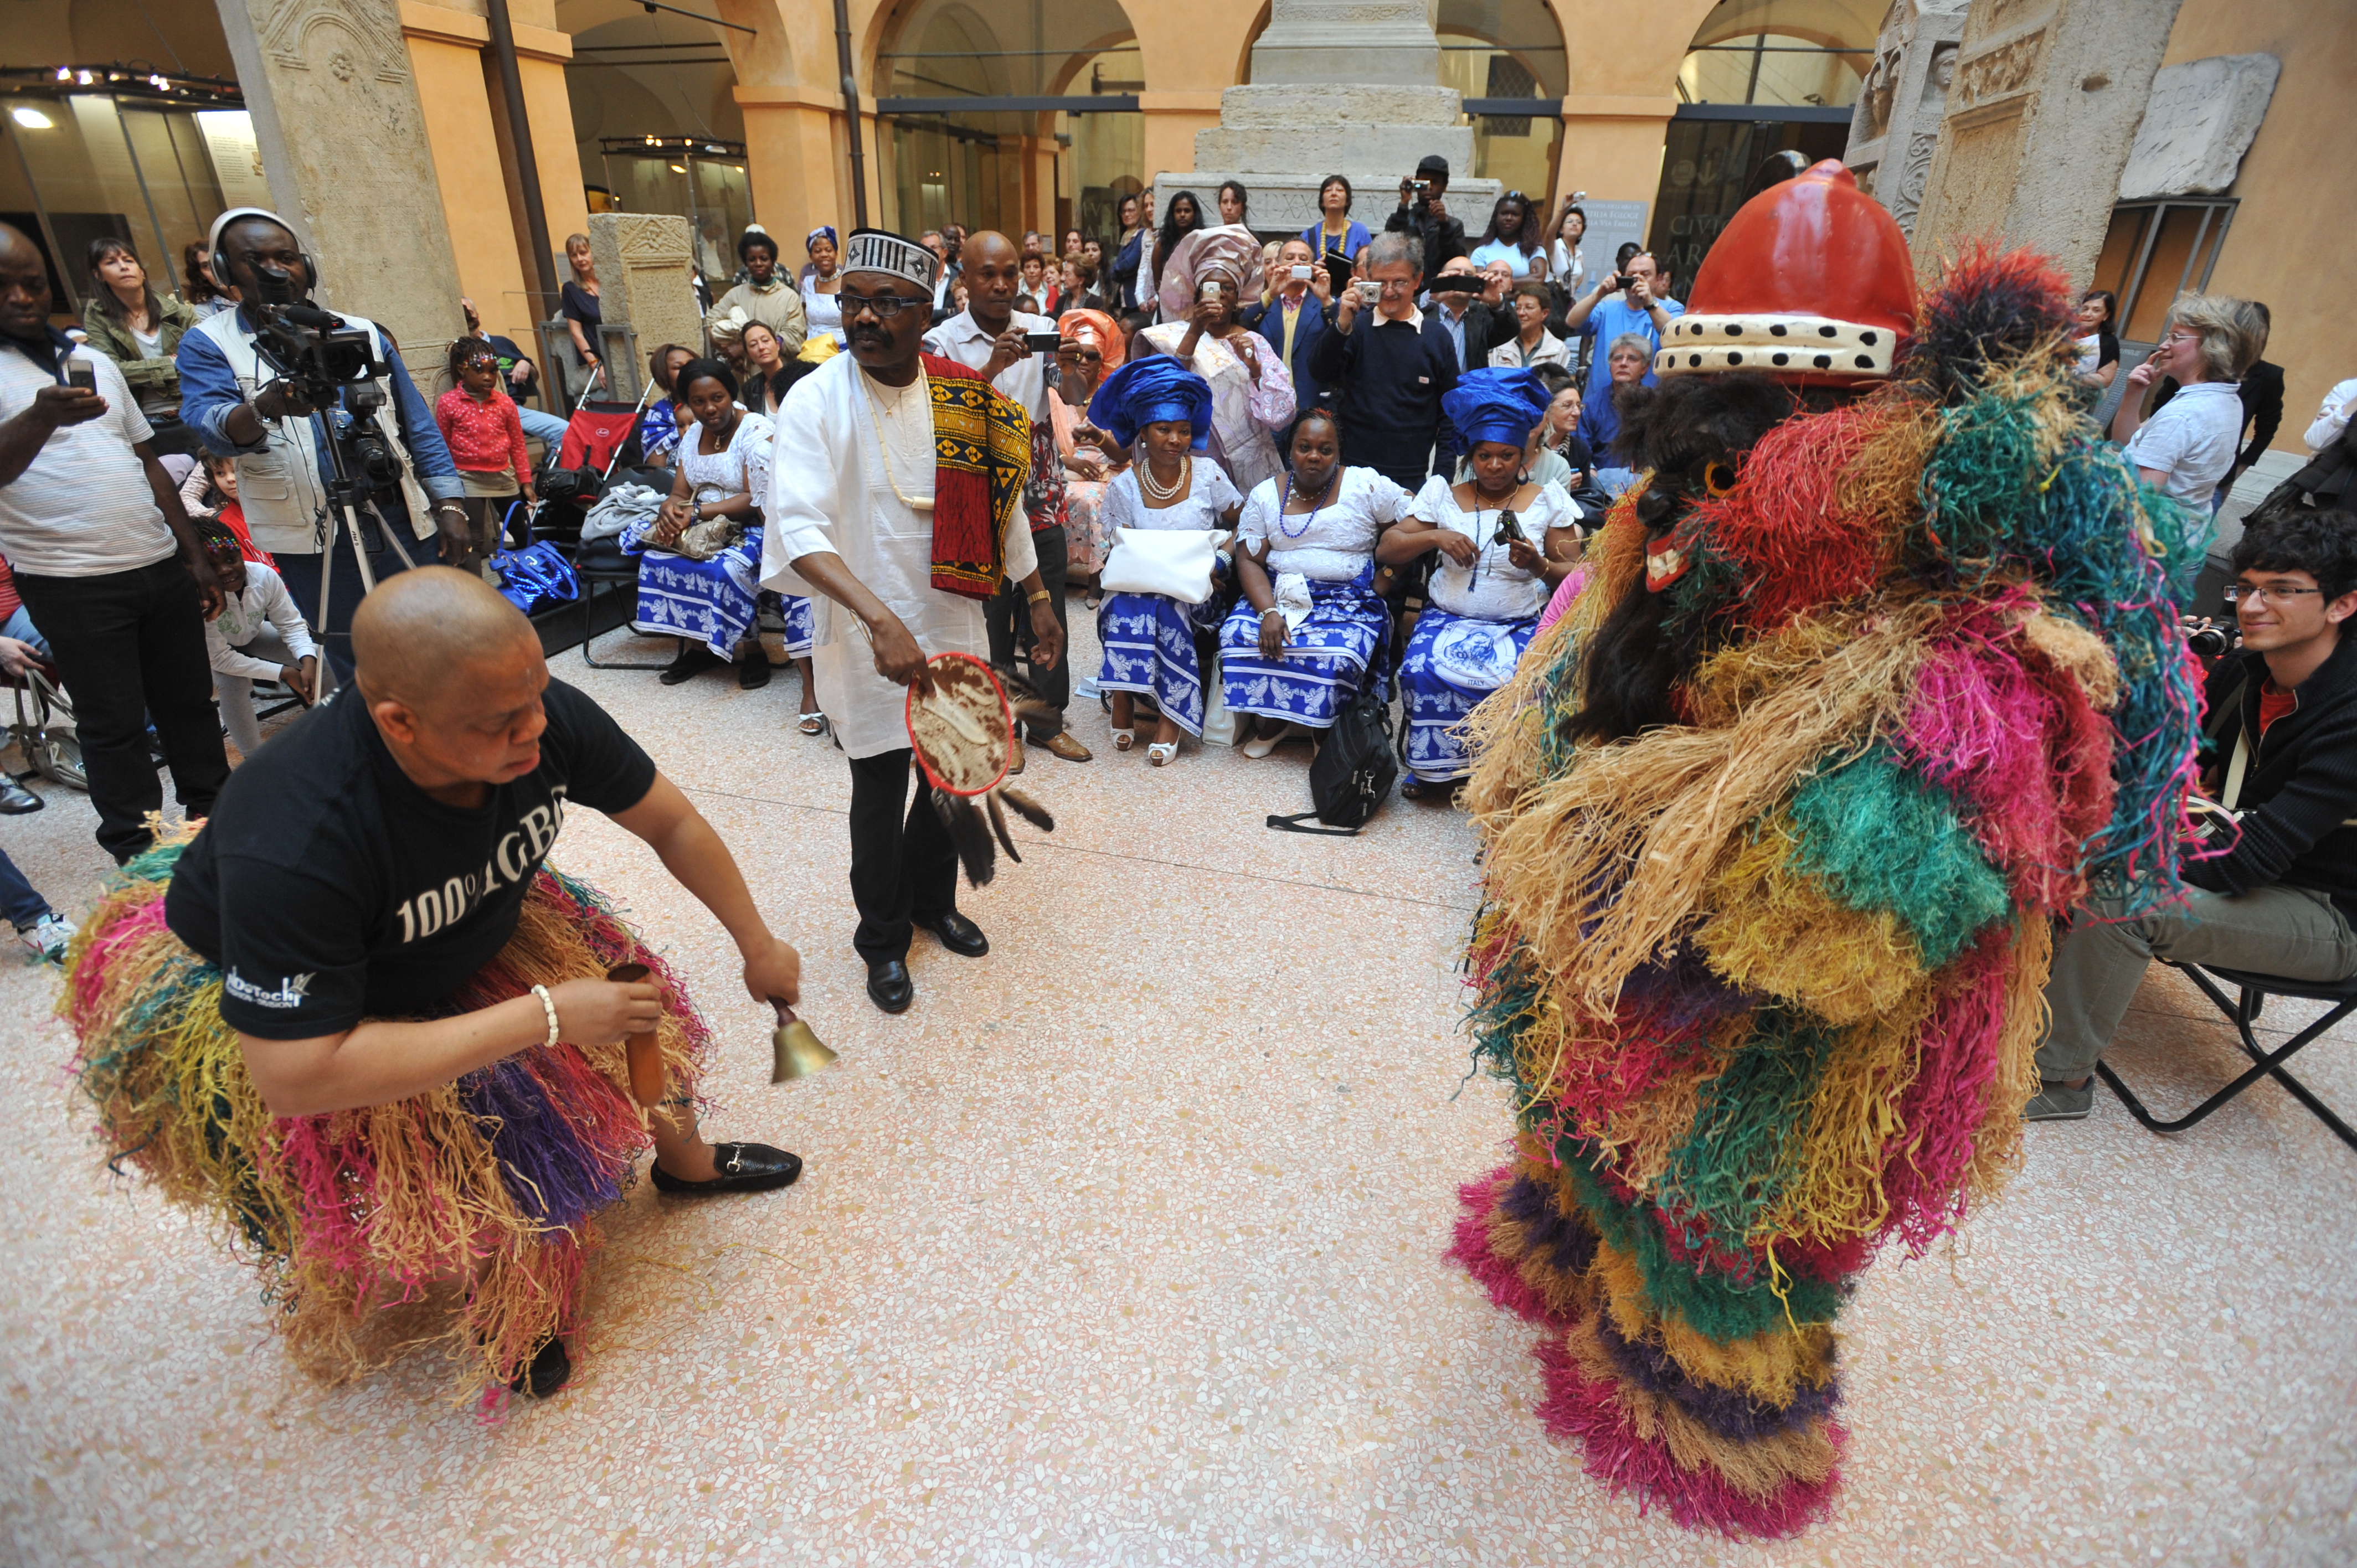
{"x": 131, "y": 647}
{"x": 1009, "y": 613}
{"x": 903, "y": 866}
{"x": 344, "y": 586}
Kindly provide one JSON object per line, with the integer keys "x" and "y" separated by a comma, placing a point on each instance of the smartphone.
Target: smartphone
{"x": 1042, "y": 342}
{"x": 1300, "y": 274}
{"x": 81, "y": 374}
{"x": 1370, "y": 290}
{"x": 1208, "y": 294}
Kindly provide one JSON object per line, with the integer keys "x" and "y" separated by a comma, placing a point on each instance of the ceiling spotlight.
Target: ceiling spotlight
{"x": 65, "y": 73}
{"x": 677, "y": 168}
{"x": 85, "y": 79}
{"x": 159, "y": 84}
{"x": 30, "y": 118}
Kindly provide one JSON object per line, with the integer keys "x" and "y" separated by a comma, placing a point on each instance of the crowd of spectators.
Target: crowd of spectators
{"x": 1358, "y": 382}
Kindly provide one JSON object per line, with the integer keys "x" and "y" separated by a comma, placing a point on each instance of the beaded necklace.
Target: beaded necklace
{"x": 884, "y": 441}
{"x": 1315, "y": 506}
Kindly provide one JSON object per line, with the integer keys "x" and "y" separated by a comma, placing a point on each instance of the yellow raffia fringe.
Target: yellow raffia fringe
{"x": 1832, "y": 1188}
{"x": 2078, "y": 652}
{"x": 1777, "y": 929}
{"x": 1756, "y": 1468}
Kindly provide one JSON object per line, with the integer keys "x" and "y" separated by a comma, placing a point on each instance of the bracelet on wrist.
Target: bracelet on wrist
{"x": 547, "y": 1005}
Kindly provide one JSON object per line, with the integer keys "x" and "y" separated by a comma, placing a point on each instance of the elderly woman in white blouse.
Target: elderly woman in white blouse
{"x": 1311, "y": 629}
{"x": 1210, "y": 275}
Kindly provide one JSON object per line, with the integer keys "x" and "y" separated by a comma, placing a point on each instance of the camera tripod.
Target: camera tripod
{"x": 351, "y": 510}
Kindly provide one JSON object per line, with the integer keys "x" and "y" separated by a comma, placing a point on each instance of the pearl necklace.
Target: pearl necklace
{"x": 1324, "y": 496}
{"x": 1155, "y": 490}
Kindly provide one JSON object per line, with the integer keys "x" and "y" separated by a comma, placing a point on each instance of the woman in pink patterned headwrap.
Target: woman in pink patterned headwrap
{"x": 1209, "y": 275}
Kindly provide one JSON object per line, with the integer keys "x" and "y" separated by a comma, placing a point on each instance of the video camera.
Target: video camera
{"x": 328, "y": 366}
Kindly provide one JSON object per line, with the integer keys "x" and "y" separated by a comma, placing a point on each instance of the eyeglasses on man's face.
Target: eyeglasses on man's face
{"x": 2258, "y": 596}
{"x": 885, "y": 305}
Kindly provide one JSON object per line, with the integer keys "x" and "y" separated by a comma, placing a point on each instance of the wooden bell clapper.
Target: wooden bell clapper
{"x": 644, "y": 1051}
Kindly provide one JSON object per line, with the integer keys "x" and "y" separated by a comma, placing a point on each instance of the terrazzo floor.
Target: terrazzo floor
{"x": 1124, "y": 1247}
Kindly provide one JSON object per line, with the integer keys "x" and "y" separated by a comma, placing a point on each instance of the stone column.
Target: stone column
{"x": 2047, "y": 99}
{"x": 1896, "y": 122}
{"x": 335, "y": 108}
{"x": 646, "y": 283}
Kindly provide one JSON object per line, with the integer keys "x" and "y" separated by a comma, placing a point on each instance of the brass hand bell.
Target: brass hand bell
{"x": 796, "y": 1051}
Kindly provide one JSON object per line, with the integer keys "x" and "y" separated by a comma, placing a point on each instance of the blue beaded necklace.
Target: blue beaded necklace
{"x": 1324, "y": 496}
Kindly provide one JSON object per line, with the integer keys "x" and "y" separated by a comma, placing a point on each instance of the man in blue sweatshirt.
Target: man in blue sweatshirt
{"x": 1389, "y": 372}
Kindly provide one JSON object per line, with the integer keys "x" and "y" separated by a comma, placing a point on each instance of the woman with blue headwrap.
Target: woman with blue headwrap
{"x": 1161, "y": 411}
{"x": 1312, "y": 629}
{"x": 1504, "y": 543}
{"x": 822, "y": 282}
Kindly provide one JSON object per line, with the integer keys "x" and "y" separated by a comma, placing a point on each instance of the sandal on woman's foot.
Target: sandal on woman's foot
{"x": 754, "y": 672}
{"x": 1122, "y": 739}
{"x": 812, "y": 724}
{"x": 1161, "y": 752}
{"x": 1411, "y": 788}
{"x": 1261, "y": 745}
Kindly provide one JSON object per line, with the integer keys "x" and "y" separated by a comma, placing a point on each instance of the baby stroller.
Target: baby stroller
{"x": 54, "y": 754}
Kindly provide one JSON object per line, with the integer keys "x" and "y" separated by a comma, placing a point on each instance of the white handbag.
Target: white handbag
{"x": 1175, "y": 562}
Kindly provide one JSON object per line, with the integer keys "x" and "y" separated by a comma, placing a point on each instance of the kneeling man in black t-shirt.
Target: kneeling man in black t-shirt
{"x": 438, "y": 1083}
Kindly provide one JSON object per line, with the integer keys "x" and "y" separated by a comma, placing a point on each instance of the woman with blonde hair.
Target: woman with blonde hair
{"x": 2189, "y": 444}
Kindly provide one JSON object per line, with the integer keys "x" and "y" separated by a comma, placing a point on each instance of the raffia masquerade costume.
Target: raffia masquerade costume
{"x": 1867, "y": 687}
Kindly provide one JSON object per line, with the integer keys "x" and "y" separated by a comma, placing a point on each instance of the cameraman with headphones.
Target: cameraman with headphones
{"x": 241, "y": 409}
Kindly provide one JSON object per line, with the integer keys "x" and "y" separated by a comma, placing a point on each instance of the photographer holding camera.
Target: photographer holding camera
{"x": 1423, "y": 215}
{"x": 1629, "y": 300}
{"x": 244, "y": 407}
{"x": 106, "y": 561}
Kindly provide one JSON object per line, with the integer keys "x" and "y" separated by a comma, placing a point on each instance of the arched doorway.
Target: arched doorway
{"x": 656, "y": 122}
{"x": 1004, "y": 116}
{"x": 1494, "y": 50}
{"x": 1760, "y": 77}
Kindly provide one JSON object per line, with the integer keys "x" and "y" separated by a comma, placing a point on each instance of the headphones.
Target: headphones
{"x": 218, "y": 264}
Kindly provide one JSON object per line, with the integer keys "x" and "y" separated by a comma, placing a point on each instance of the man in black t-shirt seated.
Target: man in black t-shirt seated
{"x": 383, "y": 942}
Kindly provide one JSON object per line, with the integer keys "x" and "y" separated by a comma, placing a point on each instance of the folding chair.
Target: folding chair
{"x": 40, "y": 697}
{"x": 2255, "y": 989}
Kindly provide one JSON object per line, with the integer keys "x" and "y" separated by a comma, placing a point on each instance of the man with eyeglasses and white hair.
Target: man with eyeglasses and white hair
{"x": 2279, "y": 900}
{"x": 897, "y": 539}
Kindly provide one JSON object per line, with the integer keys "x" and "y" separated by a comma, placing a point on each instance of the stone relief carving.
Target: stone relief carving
{"x": 1903, "y": 99}
{"x": 2001, "y": 71}
{"x": 361, "y": 28}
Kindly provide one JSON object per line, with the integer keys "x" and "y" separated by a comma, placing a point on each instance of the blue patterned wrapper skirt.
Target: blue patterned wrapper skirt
{"x": 710, "y": 601}
{"x": 1323, "y": 664}
{"x": 1150, "y": 649}
{"x": 1437, "y": 709}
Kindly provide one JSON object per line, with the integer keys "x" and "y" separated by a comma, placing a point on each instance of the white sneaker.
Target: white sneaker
{"x": 45, "y": 938}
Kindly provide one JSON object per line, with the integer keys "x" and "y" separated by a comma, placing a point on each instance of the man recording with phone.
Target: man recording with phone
{"x": 1630, "y": 300}
{"x": 1013, "y": 350}
{"x": 106, "y": 561}
{"x": 245, "y": 408}
{"x": 1423, "y": 215}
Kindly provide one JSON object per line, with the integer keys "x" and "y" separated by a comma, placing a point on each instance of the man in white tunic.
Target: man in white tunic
{"x": 853, "y": 525}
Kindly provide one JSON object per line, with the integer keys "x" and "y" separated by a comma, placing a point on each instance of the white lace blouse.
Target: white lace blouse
{"x": 1207, "y": 497}
{"x": 1492, "y": 588}
{"x": 1332, "y": 544}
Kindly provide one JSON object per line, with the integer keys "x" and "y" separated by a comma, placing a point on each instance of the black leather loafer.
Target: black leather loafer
{"x": 743, "y": 1167}
{"x": 958, "y": 934}
{"x": 890, "y": 987}
{"x": 547, "y": 1373}
{"x": 16, "y": 800}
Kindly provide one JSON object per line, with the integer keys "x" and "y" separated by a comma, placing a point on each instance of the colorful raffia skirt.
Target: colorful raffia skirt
{"x": 359, "y": 1220}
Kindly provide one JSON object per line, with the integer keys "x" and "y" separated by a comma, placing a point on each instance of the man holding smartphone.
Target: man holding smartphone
{"x": 991, "y": 335}
{"x": 1626, "y": 301}
{"x": 1294, "y": 321}
{"x": 106, "y": 561}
